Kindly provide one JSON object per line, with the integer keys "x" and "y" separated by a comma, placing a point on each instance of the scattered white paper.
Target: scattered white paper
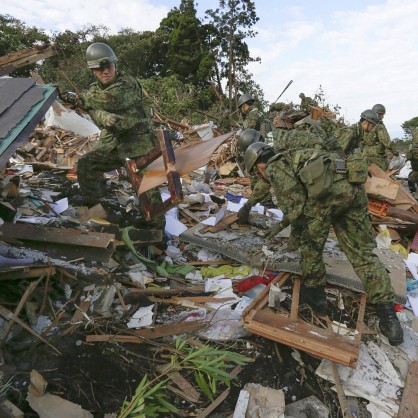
{"x": 275, "y": 213}
{"x": 413, "y": 301}
{"x": 242, "y": 304}
{"x": 223, "y": 289}
{"x": 173, "y": 226}
{"x": 412, "y": 264}
{"x": 139, "y": 277}
{"x": 142, "y": 317}
{"x": 234, "y": 207}
{"x": 60, "y": 205}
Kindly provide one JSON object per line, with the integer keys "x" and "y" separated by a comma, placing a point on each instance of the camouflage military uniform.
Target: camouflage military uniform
{"x": 345, "y": 209}
{"x": 253, "y": 118}
{"x": 376, "y": 144}
{"x": 126, "y": 132}
{"x": 412, "y": 156}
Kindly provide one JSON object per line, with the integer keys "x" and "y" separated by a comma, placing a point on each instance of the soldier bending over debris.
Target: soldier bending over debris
{"x": 337, "y": 198}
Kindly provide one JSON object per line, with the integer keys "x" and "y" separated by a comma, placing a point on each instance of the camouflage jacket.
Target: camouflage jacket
{"x": 301, "y": 137}
{"x": 253, "y": 119}
{"x": 118, "y": 110}
{"x": 376, "y": 144}
{"x": 349, "y": 137}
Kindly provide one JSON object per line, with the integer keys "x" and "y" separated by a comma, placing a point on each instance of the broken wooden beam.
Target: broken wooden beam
{"x": 142, "y": 335}
{"x": 57, "y": 242}
{"x": 323, "y": 343}
{"x": 409, "y": 404}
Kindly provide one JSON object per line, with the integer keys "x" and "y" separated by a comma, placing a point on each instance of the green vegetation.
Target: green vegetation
{"x": 209, "y": 366}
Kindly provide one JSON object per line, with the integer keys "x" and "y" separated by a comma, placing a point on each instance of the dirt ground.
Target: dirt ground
{"x": 100, "y": 376}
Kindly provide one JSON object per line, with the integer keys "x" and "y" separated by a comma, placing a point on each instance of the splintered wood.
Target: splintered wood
{"x": 290, "y": 330}
{"x": 56, "y": 146}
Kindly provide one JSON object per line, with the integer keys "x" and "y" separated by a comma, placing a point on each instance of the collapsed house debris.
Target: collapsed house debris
{"x": 96, "y": 304}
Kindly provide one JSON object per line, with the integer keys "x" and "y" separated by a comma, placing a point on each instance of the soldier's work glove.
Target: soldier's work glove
{"x": 244, "y": 213}
{"x": 103, "y": 118}
{"x": 110, "y": 120}
{"x": 71, "y": 97}
{"x": 274, "y": 230}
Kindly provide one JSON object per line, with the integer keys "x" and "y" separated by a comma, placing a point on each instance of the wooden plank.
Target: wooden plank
{"x": 187, "y": 391}
{"x": 382, "y": 188}
{"x": 222, "y": 224}
{"x": 262, "y": 299}
{"x": 409, "y": 404}
{"x": 140, "y": 336}
{"x": 56, "y": 242}
{"x": 26, "y": 272}
{"x": 323, "y": 343}
{"x": 402, "y": 193}
{"x": 188, "y": 158}
{"x": 163, "y": 292}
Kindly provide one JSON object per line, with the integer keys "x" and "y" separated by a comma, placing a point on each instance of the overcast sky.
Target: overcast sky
{"x": 360, "y": 52}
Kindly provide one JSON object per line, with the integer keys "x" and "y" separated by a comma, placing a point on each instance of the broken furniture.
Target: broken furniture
{"x": 290, "y": 330}
{"x": 174, "y": 185}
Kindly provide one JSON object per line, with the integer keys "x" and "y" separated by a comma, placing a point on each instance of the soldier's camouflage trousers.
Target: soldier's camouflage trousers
{"x": 346, "y": 211}
{"x": 90, "y": 173}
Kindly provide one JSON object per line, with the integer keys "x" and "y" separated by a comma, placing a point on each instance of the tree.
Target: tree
{"x": 232, "y": 23}
{"x": 185, "y": 47}
{"x": 408, "y": 126}
{"x": 15, "y": 36}
{"x": 68, "y": 70}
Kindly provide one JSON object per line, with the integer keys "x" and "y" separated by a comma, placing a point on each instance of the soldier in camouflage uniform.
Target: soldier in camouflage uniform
{"x": 260, "y": 189}
{"x": 376, "y": 144}
{"x": 115, "y": 103}
{"x": 412, "y": 156}
{"x": 344, "y": 207}
{"x": 251, "y": 116}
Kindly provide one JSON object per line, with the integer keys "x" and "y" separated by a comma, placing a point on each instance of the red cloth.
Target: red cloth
{"x": 249, "y": 282}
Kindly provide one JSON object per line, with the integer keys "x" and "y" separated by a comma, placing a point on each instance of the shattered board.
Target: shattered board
{"x": 250, "y": 249}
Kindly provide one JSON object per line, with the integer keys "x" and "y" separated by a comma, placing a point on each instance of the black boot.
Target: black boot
{"x": 389, "y": 323}
{"x": 411, "y": 186}
{"x": 315, "y": 297}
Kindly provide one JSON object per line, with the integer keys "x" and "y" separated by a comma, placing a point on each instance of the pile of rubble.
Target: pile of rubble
{"x": 92, "y": 300}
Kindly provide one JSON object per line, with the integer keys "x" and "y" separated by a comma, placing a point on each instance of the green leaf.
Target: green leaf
{"x": 200, "y": 380}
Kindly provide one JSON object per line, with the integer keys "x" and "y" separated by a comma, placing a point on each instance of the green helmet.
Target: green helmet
{"x": 246, "y": 138}
{"x": 100, "y": 55}
{"x": 371, "y": 116}
{"x": 379, "y": 108}
{"x": 245, "y": 98}
{"x": 254, "y": 152}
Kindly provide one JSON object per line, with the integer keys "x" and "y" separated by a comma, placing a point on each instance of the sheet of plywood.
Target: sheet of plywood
{"x": 304, "y": 336}
{"x": 188, "y": 158}
{"x": 382, "y": 188}
{"x": 402, "y": 195}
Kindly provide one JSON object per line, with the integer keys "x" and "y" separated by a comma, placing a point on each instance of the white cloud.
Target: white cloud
{"x": 360, "y": 58}
{"x": 59, "y": 15}
{"x": 361, "y": 53}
